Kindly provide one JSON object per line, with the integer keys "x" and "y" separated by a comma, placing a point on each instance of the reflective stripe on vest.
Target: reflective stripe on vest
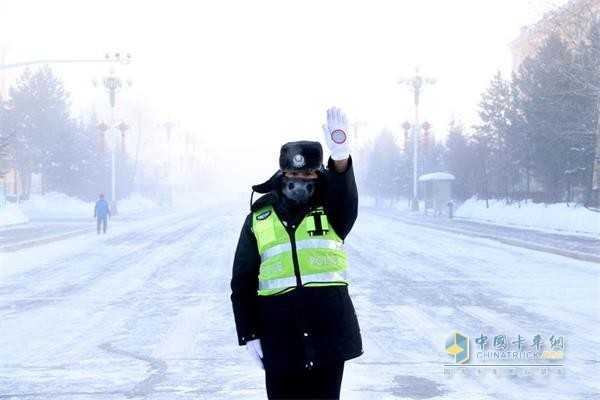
{"x": 303, "y": 244}
{"x": 283, "y": 283}
{"x": 319, "y": 252}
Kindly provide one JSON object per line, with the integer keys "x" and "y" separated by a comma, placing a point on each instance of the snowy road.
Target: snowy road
{"x": 144, "y": 312}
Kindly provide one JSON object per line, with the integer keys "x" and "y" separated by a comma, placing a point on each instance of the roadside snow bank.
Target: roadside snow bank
{"x": 11, "y": 214}
{"x": 56, "y": 205}
{"x": 538, "y": 216}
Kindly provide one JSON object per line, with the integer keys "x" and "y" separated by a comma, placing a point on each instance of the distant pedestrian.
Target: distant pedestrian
{"x": 101, "y": 212}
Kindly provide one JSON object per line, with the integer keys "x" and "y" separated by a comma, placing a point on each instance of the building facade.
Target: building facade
{"x": 570, "y": 21}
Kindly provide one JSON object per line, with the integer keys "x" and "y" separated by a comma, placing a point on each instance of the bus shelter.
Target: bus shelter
{"x": 437, "y": 189}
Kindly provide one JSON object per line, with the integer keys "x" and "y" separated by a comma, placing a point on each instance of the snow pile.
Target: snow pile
{"x": 56, "y": 205}
{"x": 11, "y": 214}
{"x": 553, "y": 216}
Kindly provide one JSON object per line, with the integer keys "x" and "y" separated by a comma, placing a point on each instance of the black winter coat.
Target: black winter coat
{"x": 309, "y": 326}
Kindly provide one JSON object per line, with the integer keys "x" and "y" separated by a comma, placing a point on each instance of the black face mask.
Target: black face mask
{"x": 298, "y": 190}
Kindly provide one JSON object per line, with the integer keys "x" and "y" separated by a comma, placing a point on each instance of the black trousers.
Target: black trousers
{"x": 103, "y": 222}
{"x": 318, "y": 383}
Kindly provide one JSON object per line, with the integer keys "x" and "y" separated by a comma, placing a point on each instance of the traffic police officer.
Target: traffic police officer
{"x": 289, "y": 286}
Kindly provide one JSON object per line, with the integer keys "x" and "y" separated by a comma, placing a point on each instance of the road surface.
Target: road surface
{"x": 144, "y": 312}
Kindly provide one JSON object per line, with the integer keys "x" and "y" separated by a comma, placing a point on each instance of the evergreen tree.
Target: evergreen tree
{"x": 60, "y": 169}
{"x": 480, "y": 149}
{"x": 520, "y": 146}
{"x": 44, "y": 139}
{"x": 39, "y": 122}
{"x": 495, "y": 110}
{"x": 384, "y": 177}
{"x": 95, "y": 161}
{"x": 554, "y": 109}
{"x": 585, "y": 73}
{"x": 94, "y": 168}
{"x": 124, "y": 172}
{"x": 85, "y": 164}
{"x": 431, "y": 158}
{"x": 5, "y": 138}
{"x": 458, "y": 160}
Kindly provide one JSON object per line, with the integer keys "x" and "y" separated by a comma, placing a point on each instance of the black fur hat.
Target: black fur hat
{"x": 301, "y": 156}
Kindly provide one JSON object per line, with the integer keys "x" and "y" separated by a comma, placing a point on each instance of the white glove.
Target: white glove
{"x": 336, "y": 134}
{"x": 255, "y": 349}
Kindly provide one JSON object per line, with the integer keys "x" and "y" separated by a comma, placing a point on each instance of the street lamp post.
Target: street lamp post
{"x": 112, "y": 84}
{"x": 417, "y": 83}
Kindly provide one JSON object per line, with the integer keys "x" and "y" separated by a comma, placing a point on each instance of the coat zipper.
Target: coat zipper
{"x": 292, "y": 234}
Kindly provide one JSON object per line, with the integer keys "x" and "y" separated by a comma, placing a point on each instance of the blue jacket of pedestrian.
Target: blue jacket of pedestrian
{"x": 101, "y": 210}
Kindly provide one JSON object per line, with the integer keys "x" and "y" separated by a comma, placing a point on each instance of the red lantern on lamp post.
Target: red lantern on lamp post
{"x": 123, "y": 127}
{"x": 406, "y": 126}
{"x": 426, "y": 127}
{"x": 102, "y": 127}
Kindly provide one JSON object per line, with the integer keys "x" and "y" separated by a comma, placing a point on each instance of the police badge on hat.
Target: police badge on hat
{"x": 298, "y": 161}
{"x": 301, "y": 156}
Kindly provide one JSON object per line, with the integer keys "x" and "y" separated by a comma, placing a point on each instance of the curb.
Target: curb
{"x": 586, "y": 234}
{"x": 37, "y": 242}
{"x": 518, "y": 243}
{"x": 13, "y": 225}
{"x": 512, "y": 242}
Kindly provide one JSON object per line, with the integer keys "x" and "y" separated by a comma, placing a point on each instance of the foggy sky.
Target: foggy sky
{"x": 246, "y": 76}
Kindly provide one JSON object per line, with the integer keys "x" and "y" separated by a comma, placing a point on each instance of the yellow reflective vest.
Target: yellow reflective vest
{"x": 311, "y": 254}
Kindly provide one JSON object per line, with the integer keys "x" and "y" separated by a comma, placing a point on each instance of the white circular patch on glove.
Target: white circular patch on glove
{"x": 338, "y": 136}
